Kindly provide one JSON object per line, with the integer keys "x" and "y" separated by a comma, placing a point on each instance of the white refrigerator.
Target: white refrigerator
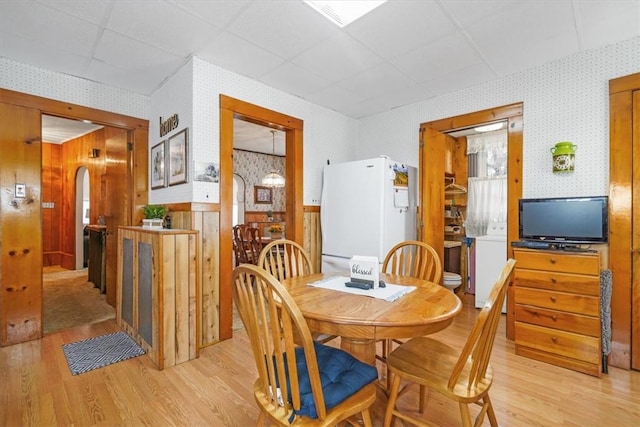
{"x": 367, "y": 207}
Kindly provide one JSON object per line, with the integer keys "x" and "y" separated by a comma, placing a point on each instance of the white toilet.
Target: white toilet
{"x": 451, "y": 280}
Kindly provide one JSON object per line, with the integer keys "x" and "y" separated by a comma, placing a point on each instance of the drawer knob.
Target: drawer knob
{"x": 552, "y": 260}
{"x": 554, "y": 317}
{"x": 553, "y": 280}
{"x": 553, "y": 299}
{"x": 554, "y": 339}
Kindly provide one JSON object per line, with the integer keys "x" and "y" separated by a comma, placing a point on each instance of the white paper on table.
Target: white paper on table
{"x": 389, "y": 293}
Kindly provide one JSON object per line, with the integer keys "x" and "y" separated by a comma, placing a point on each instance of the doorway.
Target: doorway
{"x": 82, "y": 217}
{"x": 433, "y": 158}
{"x": 24, "y": 165}
{"x": 230, "y": 109}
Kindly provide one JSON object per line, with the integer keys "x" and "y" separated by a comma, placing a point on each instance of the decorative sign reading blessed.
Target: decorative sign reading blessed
{"x": 365, "y": 268}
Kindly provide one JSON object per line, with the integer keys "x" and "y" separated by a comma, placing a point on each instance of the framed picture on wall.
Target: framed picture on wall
{"x": 158, "y": 177}
{"x": 262, "y": 195}
{"x": 177, "y": 158}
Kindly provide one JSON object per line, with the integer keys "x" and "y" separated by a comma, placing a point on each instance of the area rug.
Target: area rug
{"x": 69, "y": 300}
{"x": 97, "y": 352}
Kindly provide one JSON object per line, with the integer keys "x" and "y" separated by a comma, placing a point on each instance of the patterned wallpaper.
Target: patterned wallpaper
{"x": 564, "y": 100}
{"x": 62, "y": 87}
{"x": 252, "y": 167}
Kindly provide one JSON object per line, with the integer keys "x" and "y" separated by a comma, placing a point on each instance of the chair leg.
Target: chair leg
{"x": 422, "y": 403}
{"x": 366, "y": 418}
{"x": 464, "y": 413}
{"x": 490, "y": 413}
{"x": 393, "y": 397}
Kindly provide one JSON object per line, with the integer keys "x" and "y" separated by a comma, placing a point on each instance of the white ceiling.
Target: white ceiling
{"x": 403, "y": 52}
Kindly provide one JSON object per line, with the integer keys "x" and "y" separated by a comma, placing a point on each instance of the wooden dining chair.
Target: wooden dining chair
{"x": 285, "y": 259}
{"x": 289, "y": 390}
{"x": 464, "y": 376}
{"x": 414, "y": 259}
{"x": 410, "y": 258}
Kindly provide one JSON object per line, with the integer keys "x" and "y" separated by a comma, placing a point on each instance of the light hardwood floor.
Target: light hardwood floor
{"x": 37, "y": 389}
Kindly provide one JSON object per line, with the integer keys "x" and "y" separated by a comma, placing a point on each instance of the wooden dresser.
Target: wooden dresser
{"x": 557, "y": 308}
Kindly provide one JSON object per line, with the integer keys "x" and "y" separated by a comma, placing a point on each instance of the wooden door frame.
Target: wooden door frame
{"x": 431, "y": 161}
{"x": 231, "y": 108}
{"x": 624, "y": 235}
{"x": 138, "y": 136}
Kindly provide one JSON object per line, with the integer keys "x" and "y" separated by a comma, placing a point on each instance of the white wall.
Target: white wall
{"x": 175, "y": 97}
{"x": 565, "y": 100}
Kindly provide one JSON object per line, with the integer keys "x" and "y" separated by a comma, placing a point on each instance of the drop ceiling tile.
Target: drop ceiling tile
{"x": 140, "y": 80}
{"x": 376, "y": 81}
{"x": 238, "y": 55}
{"x": 337, "y": 57}
{"x": 605, "y": 22}
{"x": 466, "y": 13}
{"x": 294, "y": 80}
{"x": 165, "y": 26}
{"x": 285, "y": 28}
{"x": 334, "y": 97}
{"x": 460, "y": 79}
{"x": 41, "y": 55}
{"x": 521, "y": 25}
{"x": 95, "y": 11}
{"x": 219, "y": 13}
{"x": 40, "y": 23}
{"x": 441, "y": 57}
{"x": 123, "y": 52}
{"x": 533, "y": 54}
{"x": 400, "y": 26}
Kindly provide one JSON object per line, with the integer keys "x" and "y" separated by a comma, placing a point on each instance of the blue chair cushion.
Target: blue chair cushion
{"x": 341, "y": 376}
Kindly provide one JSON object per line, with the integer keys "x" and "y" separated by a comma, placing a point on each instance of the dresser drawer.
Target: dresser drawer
{"x": 555, "y": 281}
{"x": 588, "y": 264}
{"x": 569, "y": 322}
{"x": 561, "y": 301}
{"x": 562, "y": 343}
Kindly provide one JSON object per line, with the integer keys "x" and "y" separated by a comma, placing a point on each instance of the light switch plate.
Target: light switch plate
{"x": 21, "y": 191}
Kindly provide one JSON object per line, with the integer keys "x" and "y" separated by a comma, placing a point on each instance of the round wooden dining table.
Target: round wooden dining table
{"x": 361, "y": 320}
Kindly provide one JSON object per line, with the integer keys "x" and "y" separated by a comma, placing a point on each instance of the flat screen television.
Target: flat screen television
{"x": 560, "y": 220}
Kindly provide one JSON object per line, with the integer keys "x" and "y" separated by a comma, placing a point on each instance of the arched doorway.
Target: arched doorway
{"x": 82, "y": 217}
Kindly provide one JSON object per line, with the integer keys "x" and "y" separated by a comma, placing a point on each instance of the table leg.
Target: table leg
{"x": 362, "y": 349}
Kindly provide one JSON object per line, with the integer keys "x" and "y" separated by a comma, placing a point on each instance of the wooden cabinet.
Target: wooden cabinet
{"x": 557, "y": 308}
{"x": 158, "y": 288}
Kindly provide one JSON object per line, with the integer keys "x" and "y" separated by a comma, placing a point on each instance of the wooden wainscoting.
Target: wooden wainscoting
{"x": 313, "y": 236}
{"x": 205, "y": 218}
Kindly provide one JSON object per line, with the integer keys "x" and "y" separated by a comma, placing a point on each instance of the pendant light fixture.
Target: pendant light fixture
{"x": 273, "y": 178}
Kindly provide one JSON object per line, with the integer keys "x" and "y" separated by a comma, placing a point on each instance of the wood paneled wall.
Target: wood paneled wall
{"x": 51, "y": 193}
{"x": 206, "y": 219}
{"x": 20, "y": 225}
{"x": 312, "y": 242}
{"x": 21, "y": 217}
{"x": 624, "y": 220}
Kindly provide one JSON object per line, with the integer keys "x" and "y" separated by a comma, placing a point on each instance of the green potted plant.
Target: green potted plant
{"x": 153, "y": 216}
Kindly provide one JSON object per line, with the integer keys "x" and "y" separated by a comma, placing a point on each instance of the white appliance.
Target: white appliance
{"x": 367, "y": 207}
{"x": 491, "y": 256}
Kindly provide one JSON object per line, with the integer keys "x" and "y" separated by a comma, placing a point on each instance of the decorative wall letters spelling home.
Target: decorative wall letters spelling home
{"x": 169, "y": 124}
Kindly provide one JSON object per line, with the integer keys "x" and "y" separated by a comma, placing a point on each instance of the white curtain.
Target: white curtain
{"x": 486, "y": 203}
{"x": 487, "y": 189}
